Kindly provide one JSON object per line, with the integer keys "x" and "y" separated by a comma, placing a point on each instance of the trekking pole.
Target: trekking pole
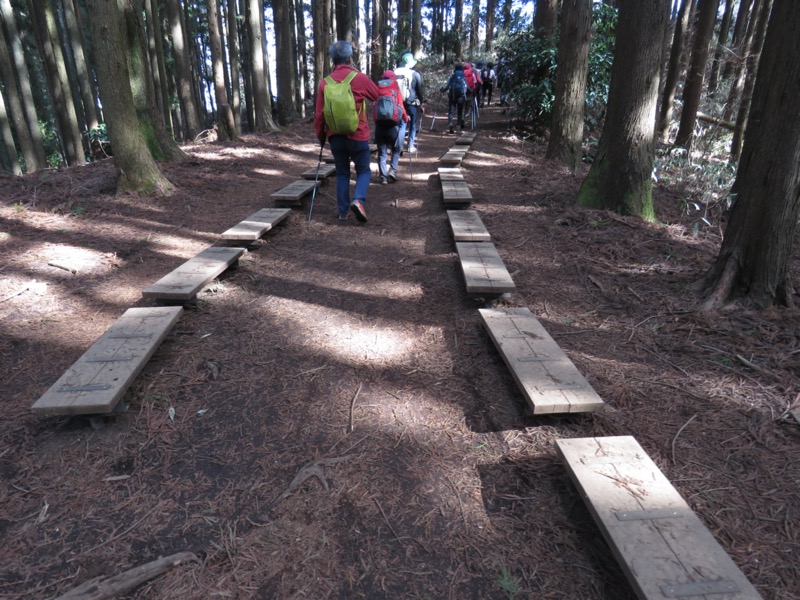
{"x": 316, "y": 180}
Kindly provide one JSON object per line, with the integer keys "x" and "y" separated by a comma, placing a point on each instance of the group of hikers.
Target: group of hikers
{"x": 341, "y": 118}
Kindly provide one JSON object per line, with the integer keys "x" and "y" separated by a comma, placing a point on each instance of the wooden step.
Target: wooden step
{"x": 545, "y": 375}
{"x": 450, "y": 174}
{"x": 456, "y": 193}
{"x": 453, "y": 157}
{"x": 96, "y": 382}
{"x": 466, "y": 138}
{"x": 664, "y": 548}
{"x": 485, "y": 274}
{"x": 467, "y": 226}
{"x": 292, "y": 194}
{"x": 324, "y": 171}
{"x": 256, "y": 225}
{"x": 183, "y": 283}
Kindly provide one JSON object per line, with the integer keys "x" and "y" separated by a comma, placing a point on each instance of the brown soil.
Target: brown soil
{"x": 447, "y": 487}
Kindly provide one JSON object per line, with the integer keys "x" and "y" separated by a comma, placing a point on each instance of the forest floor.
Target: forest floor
{"x": 358, "y": 347}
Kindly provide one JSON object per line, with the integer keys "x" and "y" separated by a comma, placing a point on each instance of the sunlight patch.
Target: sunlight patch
{"x": 270, "y": 172}
{"x": 341, "y": 333}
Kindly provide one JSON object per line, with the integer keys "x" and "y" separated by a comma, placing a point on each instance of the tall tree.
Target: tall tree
{"x": 490, "y": 10}
{"x": 26, "y": 93}
{"x": 299, "y": 41}
{"x": 693, "y": 89}
{"x": 416, "y": 27}
{"x": 722, "y": 42}
{"x": 546, "y": 17}
{"x": 344, "y": 20}
{"x": 750, "y": 77}
{"x": 183, "y": 70}
{"x": 11, "y": 161}
{"x": 753, "y": 262}
{"x": 403, "y": 24}
{"x": 739, "y": 28}
{"x": 233, "y": 52}
{"x": 262, "y": 101}
{"x": 81, "y": 68}
{"x": 458, "y": 28}
{"x": 286, "y": 61}
{"x": 138, "y": 172}
{"x": 226, "y": 129}
{"x": 566, "y": 132}
{"x": 739, "y": 68}
{"x": 14, "y": 108}
{"x": 673, "y": 69}
{"x": 620, "y": 177}
{"x": 155, "y": 40}
{"x": 506, "y": 14}
{"x": 474, "y": 26}
{"x": 44, "y": 22}
{"x": 318, "y": 8}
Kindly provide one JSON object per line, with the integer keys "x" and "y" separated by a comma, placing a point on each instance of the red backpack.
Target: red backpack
{"x": 387, "y": 107}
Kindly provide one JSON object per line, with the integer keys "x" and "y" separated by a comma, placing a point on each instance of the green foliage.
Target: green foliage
{"x": 532, "y": 63}
{"x": 52, "y": 145}
{"x": 508, "y": 583}
{"x": 99, "y": 143}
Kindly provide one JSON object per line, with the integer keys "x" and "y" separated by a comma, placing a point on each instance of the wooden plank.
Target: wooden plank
{"x": 256, "y": 225}
{"x": 96, "y": 382}
{"x": 484, "y": 271}
{"x": 466, "y": 138}
{"x": 547, "y": 378}
{"x": 456, "y": 192}
{"x": 451, "y": 174}
{"x": 672, "y": 554}
{"x": 293, "y": 193}
{"x": 184, "y": 282}
{"x": 324, "y": 171}
{"x": 467, "y": 226}
{"x": 452, "y": 157}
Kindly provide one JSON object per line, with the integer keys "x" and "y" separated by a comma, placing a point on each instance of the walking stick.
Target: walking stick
{"x": 316, "y": 181}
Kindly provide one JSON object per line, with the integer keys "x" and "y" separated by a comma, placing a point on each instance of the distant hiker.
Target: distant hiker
{"x": 489, "y": 77}
{"x": 390, "y": 125}
{"x": 456, "y": 88}
{"x": 410, "y": 82}
{"x": 341, "y": 118}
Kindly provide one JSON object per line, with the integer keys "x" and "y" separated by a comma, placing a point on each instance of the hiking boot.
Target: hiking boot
{"x": 412, "y": 148}
{"x": 342, "y": 216}
{"x": 392, "y": 175}
{"x": 384, "y": 181}
{"x": 358, "y": 210}
{"x": 451, "y": 129}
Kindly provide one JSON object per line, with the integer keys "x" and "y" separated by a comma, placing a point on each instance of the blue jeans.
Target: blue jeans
{"x": 413, "y": 115}
{"x": 344, "y": 150}
{"x": 386, "y": 137}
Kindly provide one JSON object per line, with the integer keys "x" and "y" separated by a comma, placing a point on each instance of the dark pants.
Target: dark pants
{"x": 344, "y": 150}
{"x": 459, "y": 106}
{"x": 487, "y": 92}
{"x": 413, "y": 115}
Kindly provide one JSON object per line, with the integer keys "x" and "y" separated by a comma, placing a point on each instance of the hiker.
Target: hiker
{"x": 390, "y": 125}
{"x": 410, "y": 82}
{"x": 346, "y": 126}
{"x": 456, "y": 88}
{"x": 489, "y": 77}
{"x": 478, "y": 70}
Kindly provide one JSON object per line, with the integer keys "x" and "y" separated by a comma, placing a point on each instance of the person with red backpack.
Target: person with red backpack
{"x": 341, "y": 118}
{"x": 390, "y": 125}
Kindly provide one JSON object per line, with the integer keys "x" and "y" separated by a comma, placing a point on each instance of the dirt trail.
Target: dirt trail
{"x": 343, "y": 426}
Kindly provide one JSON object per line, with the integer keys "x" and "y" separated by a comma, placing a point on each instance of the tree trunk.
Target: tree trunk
{"x": 740, "y": 70}
{"x": 693, "y": 89}
{"x": 749, "y": 81}
{"x": 506, "y": 15}
{"x": 70, "y": 71}
{"x": 39, "y": 160}
{"x": 226, "y": 127}
{"x": 262, "y": 102}
{"x": 344, "y": 21}
{"x": 303, "y": 87}
{"x": 673, "y": 70}
{"x": 44, "y": 22}
{"x": 474, "y": 26}
{"x": 233, "y": 53}
{"x": 15, "y": 111}
{"x": 158, "y": 65}
{"x": 138, "y": 172}
{"x": 285, "y": 59}
{"x": 546, "y": 17}
{"x": 403, "y": 24}
{"x": 490, "y": 10}
{"x": 620, "y": 177}
{"x": 320, "y": 49}
{"x": 183, "y": 70}
{"x": 377, "y": 44}
{"x": 416, "y": 27}
{"x": 739, "y": 30}
{"x": 566, "y": 133}
{"x": 754, "y": 259}
{"x": 722, "y": 41}
{"x": 8, "y": 141}
{"x": 83, "y": 75}
{"x": 458, "y": 27}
